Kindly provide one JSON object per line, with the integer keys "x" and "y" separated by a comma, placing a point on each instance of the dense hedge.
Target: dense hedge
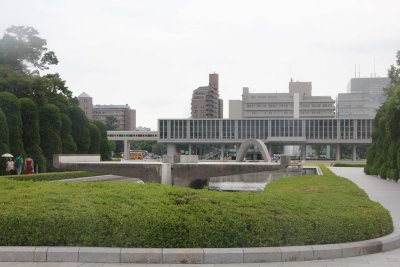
{"x": 68, "y": 143}
{"x": 11, "y": 108}
{"x": 291, "y": 211}
{"x": 50, "y": 129}
{"x": 383, "y": 157}
{"x": 30, "y": 132}
{"x": 50, "y": 176}
{"x": 80, "y": 129}
{"x": 341, "y": 164}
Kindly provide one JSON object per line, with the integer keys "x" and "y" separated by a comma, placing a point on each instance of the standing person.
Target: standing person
{"x": 19, "y": 163}
{"x": 28, "y": 165}
{"x": 10, "y": 166}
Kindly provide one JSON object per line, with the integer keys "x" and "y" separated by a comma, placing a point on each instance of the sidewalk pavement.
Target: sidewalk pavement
{"x": 385, "y": 192}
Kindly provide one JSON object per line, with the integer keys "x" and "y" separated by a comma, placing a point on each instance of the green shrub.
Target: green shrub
{"x": 105, "y": 150}
{"x": 50, "y": 127}
{"x": 393, "y": 174}
{"x": 95, "y": 138}
{"x": 4, "y": 138}
{"x": 80, "y": 129}
{"x": 68, "y": 143}
{"x": 383, "y": 171}
{"x": 291, "y": 211}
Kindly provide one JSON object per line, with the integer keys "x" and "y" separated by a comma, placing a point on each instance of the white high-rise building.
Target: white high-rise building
{"x": 298, "y": 103}
{"x": 363, "y": 98}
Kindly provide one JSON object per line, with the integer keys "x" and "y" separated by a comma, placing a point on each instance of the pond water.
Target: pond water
{"x": 251, "y": 182}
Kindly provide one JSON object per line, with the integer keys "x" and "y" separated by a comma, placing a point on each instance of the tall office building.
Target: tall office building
{"x": 86, "y": 104}
{"x": 364, "y": 96}
{"x": 205, "y": 100}
{"x": 298, "y": 103}
{"x": 125, "y": 116}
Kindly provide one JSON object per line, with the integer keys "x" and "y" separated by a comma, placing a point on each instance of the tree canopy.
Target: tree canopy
{"x": 26, "y": 52}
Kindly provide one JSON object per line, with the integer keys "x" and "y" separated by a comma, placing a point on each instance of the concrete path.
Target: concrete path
{"x": 385, "y": 192}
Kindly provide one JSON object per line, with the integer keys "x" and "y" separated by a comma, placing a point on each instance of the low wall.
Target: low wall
{"x": 195, "y": 175}
{"x": 198, "y": 175}
{"x": 149, "y": 172}
{"x": 70, "y": 158}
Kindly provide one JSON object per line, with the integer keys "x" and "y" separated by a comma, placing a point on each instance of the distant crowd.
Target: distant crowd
{"x": 20, "y": 166}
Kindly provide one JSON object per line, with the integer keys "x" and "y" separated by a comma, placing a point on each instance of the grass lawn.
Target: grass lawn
{"x": 50, "y": 176}
{"x": 290, "y": 211}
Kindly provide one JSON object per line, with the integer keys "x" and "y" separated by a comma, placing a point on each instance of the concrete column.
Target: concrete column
{"x": 190, "y": 149}
{"x": 236, "y": 149}
{"x": 304, "y": 152}
{"x": 271, "y": 153}
{"x": 127, "y": 147}
{"x": 171, "y": 149}
{"x": 354, "y": 152}
{"x": 337, "y": 152}
{"x": 328, "y": 151}
{"x": 222, "y": 152}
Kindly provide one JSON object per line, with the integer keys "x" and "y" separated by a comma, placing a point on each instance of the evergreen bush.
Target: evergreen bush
{"x": 31, "y": 133}
{"x": 10, "y": 105}
{"x": 50, "y": 126}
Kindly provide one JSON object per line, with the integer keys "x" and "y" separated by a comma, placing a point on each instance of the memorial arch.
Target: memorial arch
{"x": 244, "y": 147}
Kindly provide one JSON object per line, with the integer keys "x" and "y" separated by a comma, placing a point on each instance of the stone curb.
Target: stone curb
{"x": 198, "y": 255}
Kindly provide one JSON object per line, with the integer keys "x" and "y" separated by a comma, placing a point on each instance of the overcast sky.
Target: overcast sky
{"x": 153, "y": 54}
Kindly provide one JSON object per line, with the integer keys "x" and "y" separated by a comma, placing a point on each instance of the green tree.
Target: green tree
{"x": 22, "y": 54}
{"x": 23, "y": 50}
{"x": 111, "y": 123}
{"x": 95, "y": 139}
{"x": 68, "y": 143}
{"x": 144, "y": 145}
{"x": 11, "y": 108}
{"x": 4, "y": 139}
{"x": 50, "y": 126}
{"x": 80, "y": 129}
{"x": 30, "y": 132}
{"x": 383, "y": 154}
{"x": 105, "y": 149}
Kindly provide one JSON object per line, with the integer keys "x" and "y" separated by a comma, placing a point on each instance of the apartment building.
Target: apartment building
{"x": 125, "y": 117}
{"x": 205, "y": 100}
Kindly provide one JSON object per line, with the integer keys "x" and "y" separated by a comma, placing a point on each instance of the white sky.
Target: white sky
{"x": 152, "y": 54}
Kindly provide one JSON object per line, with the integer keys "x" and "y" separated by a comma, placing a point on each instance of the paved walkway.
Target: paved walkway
{"x": 385, "y": 192}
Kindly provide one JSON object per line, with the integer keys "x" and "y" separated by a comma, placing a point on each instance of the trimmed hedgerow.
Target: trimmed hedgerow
{"x": 342, "y": 164}
{"x": 290, "y": 211}
{"x": 50, "y": 176}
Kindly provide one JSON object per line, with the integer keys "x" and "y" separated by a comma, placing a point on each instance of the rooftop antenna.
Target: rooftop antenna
{"x": 355, "y": 70}
{"x": 359, "y": 70}
{"x": 374, "y": 69}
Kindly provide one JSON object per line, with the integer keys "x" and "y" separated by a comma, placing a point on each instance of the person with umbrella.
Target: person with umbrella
{"x": 10, "y": 166}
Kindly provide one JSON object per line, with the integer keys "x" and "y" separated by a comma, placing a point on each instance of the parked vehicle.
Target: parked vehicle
{"x": 137, "y": 154}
